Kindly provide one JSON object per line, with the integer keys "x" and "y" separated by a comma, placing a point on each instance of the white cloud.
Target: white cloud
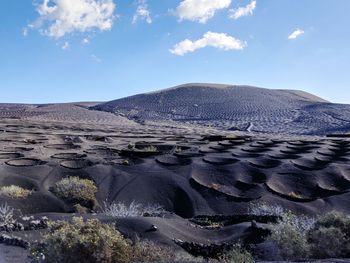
{"x": 25, "y": 32}
{"x": 210, "y": 39}
{"x": 85, "y": 41}
{"x": 297, "y": 33}
{"x": 142, "y": 13}
{"x": 242, "y": 11}
{"x": 200, "y": 10}
{"x": 66, "y": 45}
{"x": 60, "y": 17}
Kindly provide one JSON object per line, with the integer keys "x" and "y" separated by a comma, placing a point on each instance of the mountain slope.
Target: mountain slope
{"x": 61, "y": 112}
{"x": 236, "y": 107}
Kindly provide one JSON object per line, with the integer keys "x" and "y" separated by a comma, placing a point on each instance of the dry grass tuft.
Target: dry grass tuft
{"x": 76, "y": 190}
{"x": 15, "y": 192}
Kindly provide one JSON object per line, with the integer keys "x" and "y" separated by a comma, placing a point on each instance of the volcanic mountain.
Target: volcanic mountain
{"x": 232, "y": 107}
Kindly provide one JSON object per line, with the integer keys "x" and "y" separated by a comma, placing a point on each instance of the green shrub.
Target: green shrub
{"x": 76, "y": 190}
{"x": 79, "y": 209}
{"x": 131, "y": 146}
{"x": 83, "y": 242}
{"x": 302, "y": 223}
{"x": 337, "y": 220}
{"x": 328, "y": 243}
{"x": 331, "y": 236}
{"x": 94, "y": 242}
{"x": 237, "y": 254}
{"x": 291, "y": 242}
{"x": 15, "y": 192}
{"x": 125, "y": 162}
{"x": 290, "y": 232}
{"x": 299, "y": 237}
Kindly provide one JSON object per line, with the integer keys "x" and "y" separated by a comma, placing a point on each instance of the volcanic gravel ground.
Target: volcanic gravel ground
{"x": 242, "y": 108}
{"x": 195, "y": 173}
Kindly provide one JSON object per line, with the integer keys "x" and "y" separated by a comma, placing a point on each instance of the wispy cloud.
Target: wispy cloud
{"x": 65, "y": 45}
{"x": 95, "y": 58}
{"x": 200, "y": 10}
{"x": 242, "y": 11}
{"x": 210, "y": 39}
{"x": 60, "y": 17}
{"x": 25, "y": 31}
{"x": 297, "y": 33}
{"x": 142, "y": 13}
{"x": 85, "y": 41}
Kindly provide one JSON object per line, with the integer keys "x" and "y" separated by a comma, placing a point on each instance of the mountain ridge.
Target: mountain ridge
{"x": 236, "y": 107}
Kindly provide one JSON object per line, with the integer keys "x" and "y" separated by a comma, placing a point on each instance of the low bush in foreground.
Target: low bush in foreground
{"x": 297, "y": 237}
{"x": 301, "y": 223}
{"x": 76, "y": 190}
{"x": 328, "y": 243}
{"x": 330, "y": 237}
{"x": 292, "y": 243}
{"x": 290, "y": 234}
{"x": 95, "y": 242}
{"x": 337, "y": 220}
{"x": 15, "y": 192}
{"x": 80, "y": 241}
{"x": 300, "y": 236}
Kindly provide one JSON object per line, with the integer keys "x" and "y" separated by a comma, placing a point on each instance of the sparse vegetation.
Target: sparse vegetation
{"x": 290, "y": 233}
{"x": 300, "y": 236}
{"x": 92, "y": 241}
{"x": 238, "y": 254}
{"x": 178, "y": 149}
{"x": 125, "y": 162}
{"x": 78, "y": 208}
{"x": 208, "y": 222}
{"x": 295, "y": 195}
{"x": 216, "y": 187}
{"x": 262, "y": 209}
{"x": 76, "y": 190}
{"x": 132, "y": 210}
{"x": 335, "y": 219}
{"x": 291, "y": 242}
{"x": 331, "y": 236}
{"x": 150, "y": 148}
{"x": 232, "y": 136}
{"x": 15, "y": 192}
{"x": 6, "y": 214}
{"x": 131, "y": 146}
{"x": 301, "y": 223}
{"x": 148, "y": 251}
{"x": 328, "y": 243}
{"x": 80, "y": 241}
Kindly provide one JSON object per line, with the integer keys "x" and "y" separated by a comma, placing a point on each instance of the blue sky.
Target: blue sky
{"x": 43, "y": 60}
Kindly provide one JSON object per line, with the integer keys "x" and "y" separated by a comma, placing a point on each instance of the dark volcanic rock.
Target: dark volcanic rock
{"x": 243, "y": 107}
